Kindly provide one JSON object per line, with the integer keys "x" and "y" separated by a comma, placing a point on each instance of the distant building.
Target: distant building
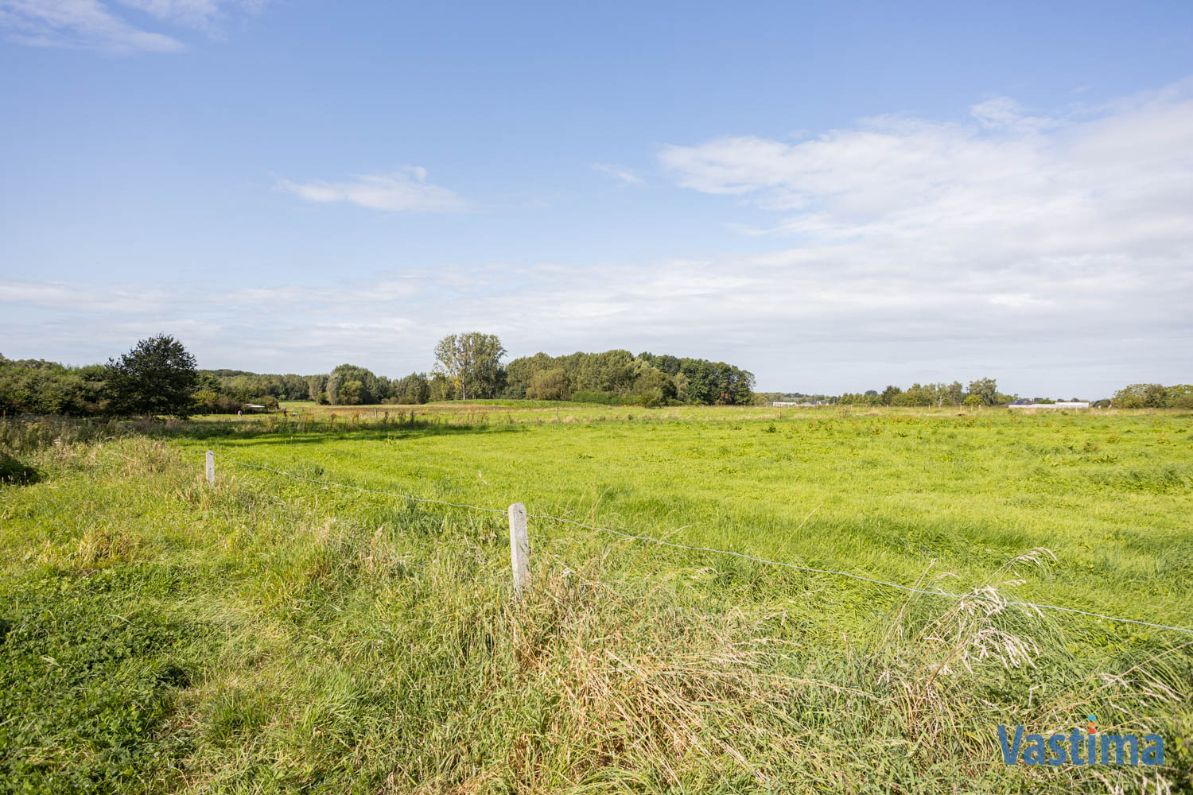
{"x": 1062, "y": 404}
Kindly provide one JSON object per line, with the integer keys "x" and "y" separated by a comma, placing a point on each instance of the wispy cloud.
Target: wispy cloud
{"x": 193, "y": 13}
{"x": 1067, "y": 226}
{"x": 1006, "y": 170}
{"x": 1004, "y": 113}
{"x": 1007, "y": 194}
{"x": 113, "y": 26}
{"x": 406, "y": 190}
{"x": 621, "y": 173}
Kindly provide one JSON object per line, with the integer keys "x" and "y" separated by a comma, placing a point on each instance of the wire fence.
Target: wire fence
{"x": 912, "y": 589}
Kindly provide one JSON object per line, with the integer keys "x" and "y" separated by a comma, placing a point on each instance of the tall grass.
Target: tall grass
{"x": 271, "y": 636}
{"x": 28, "y": 434}
{"x": 879, "y": 494}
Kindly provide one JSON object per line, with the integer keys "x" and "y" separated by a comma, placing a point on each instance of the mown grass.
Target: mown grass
{"x": 274, "y": 635}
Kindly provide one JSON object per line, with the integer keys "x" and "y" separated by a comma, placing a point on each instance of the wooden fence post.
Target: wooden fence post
{"x": 210, "y": 468}
{"x": 519, "y": 548}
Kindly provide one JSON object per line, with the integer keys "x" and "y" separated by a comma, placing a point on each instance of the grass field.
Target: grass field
{"x": 301, "y": 626}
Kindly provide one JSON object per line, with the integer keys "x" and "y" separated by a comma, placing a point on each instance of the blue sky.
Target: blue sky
{"x": 833, "y": 195}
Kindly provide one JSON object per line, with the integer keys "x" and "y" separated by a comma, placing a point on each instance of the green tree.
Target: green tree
{"x": 986, "y": 390}
{"x": 1180, "y": 396}
{"x": 352, "y": 385}
{"x": 521, "y": 372}
{"x": 158, "y": 376}
{"x": 617, "y": 376}
{"x": 441, "y": 387}
{"x": 473, "y": 362}
{"x": 1141, "y": 396}
{"x": 954, "y": 393}
{"x": 610, "y": 371}
{"x": 412, "y": 389}
{"x": 713, "y": 383}
{"x": 316, "y": 386}
{"x": 33, "y": 386}
{"x": 652, "y": 386}
{"x": 352, "y": 393}
{"x": 549, "y": 385}
{"x": 667, "y": 363}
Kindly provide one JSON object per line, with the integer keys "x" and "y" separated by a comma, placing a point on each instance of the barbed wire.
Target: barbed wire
{"x": 327, "y": 484}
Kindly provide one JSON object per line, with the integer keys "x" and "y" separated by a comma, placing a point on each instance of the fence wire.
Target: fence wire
{"x": 1039, "y": 606}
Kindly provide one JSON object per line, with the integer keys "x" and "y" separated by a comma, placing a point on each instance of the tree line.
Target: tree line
{"x": 985, "y": 392}
{"x": 618, "y": 376}
{"x": 469, "y": 367}
{"x": 1154, "y": 396}
{"x": 159, "y": 376}
{"x": 980, "y": 392}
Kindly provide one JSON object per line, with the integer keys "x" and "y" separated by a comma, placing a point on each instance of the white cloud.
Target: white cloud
{"x": 1072, "y": 188}
{"x": 112, "y": 26}
{"x": 401, "y": 191}
{"x": 621, "y": 173}
{"x": 1078, "y": 227}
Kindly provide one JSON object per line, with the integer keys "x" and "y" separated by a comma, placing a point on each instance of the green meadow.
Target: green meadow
{"x": 336, "y": 614}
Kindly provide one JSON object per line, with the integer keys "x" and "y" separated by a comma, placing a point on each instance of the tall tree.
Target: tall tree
{"x": 889, "y": 395}
{"x": 352, "y": 385}
{"x": 316, "y": 384}
{"x": 158, "y": 376}
{"x": 414, "y": 388}
{"x": 549, "y": 385}
{"x": 472, "y": 361}
{"x": 986, "y": 390}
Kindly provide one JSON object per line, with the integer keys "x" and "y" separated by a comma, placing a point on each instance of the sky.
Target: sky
{"x": 833, "y": 195}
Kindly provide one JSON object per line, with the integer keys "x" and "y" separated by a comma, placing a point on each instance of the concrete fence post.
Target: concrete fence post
{"x": 210, "y": 468}
{"x": 519, "y": 548}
